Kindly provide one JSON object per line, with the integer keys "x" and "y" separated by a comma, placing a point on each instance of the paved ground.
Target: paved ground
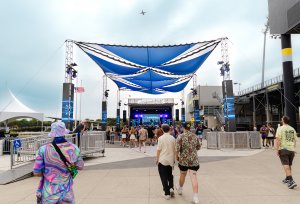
{"x": 255, "y": 178}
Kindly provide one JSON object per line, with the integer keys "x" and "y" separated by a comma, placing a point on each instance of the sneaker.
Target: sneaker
{"x": 179, "y": 190}
{"x": 285, "y": 181}
{"x": 292, "y": 184}
{"x": 195, "y": 199}
{"x": 172, "y": 193}
{"x": 167, "y": 197}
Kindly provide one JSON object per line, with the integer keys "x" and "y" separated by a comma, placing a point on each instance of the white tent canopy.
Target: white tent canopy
{"x": 16, "y": 109}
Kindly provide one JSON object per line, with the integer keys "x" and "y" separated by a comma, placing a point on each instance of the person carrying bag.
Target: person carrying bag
{"x": 57, "y": 164}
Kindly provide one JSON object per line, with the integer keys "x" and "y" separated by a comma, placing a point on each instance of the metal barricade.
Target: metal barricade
{"x": 255, "y": 140}
{"x": 6, "y": 145}
{"x": 212, "y": 140}
{"x": 241, "y": 140}
{"x": 29, "y": 147}
{"x": 226, "y": 140}
{"x": 92, "y": 142}
{"x": 205, "y": 131}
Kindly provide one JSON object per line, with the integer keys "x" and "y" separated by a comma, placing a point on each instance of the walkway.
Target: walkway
{"x": 255, "y": 178}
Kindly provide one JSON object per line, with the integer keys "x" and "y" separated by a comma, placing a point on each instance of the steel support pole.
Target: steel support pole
{"x": 254, "y": 113}
{"x": 104, "y": 104}
{"x": 118, "y": 109}
{"x": 288, "y": 79}
{"x": 267, "y": 106}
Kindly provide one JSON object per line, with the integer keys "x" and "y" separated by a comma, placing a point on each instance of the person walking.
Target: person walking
{"x": 132, "y": 138}
{"x": 112, "y": 135}
{"x": 143, "y": 137}
{"x": 271, "y": 136}
{"x": 286, "y": 138}
{"x": 165, "y": 159}
{"x": 124, "y": 132}
{"x": 199, "y": 131}
{"x": 56, "y": 184}
{"x": 150, "y": 130}
{"x": 264, "y": 132}
{"x": 187, "y": 145}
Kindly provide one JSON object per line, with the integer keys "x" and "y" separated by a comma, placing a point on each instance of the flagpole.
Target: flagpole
{"x": 80, "y": 102}
{"x": 76, "y": 113}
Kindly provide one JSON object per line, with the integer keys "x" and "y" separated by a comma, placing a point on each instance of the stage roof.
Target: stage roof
{"x": 150, "y": 69}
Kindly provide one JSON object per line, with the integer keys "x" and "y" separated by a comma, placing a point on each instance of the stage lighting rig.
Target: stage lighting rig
{"x": 71, "y": 71}
{"x": 194, "y": 91}
{"x": 106, "y": 93}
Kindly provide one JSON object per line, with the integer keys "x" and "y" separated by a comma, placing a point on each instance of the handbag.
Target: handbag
{"x": 71, "y": 168}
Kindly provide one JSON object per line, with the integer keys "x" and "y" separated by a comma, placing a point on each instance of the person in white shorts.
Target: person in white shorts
{"x": 143, "y": 137}
{"x": 132, "y": 138}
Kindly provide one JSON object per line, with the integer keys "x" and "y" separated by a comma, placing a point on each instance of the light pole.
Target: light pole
{"x": 68, "y": 94}
{"x": 265, "y": 31}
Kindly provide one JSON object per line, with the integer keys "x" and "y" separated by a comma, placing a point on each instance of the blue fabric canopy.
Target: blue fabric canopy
{"x": 150, "y": 69}
{"x": 148, "y": 56}
{"x": 149, "y": 75}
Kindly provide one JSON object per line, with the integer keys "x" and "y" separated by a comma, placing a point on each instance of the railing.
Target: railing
{"x": 90, "y": 143}
{"x": 233, "y": 140}
{"x": 267, "y": 83}
{"x": 220, "y": 116}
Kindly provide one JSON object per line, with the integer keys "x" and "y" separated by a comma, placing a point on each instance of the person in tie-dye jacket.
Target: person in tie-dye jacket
{"x": 56, "y": 181}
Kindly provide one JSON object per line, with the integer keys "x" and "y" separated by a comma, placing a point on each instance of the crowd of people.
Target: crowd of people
{"x": 140, "y": 136}
{"x": 58, "y": 162}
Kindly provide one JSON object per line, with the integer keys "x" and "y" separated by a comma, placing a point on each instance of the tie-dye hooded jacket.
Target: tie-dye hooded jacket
{"x": 56, "y": 182}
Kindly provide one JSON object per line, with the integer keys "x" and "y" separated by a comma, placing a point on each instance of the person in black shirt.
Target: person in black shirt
{"x": 151, "y": 134}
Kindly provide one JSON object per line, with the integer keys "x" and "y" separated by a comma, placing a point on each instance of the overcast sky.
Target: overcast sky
{"x": 33, "y": 32}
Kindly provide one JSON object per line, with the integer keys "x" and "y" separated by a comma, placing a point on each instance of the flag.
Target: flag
{"x": 79, "y": 89}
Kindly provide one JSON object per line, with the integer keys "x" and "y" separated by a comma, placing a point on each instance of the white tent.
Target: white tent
{"x": 16, "y": 109}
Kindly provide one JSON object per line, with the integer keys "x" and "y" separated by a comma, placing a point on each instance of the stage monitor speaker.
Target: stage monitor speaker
{"x": 177, "y": 115}
{"x": 124, "y": 116}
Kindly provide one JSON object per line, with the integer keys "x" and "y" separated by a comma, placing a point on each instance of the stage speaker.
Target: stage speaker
{"x": 124, "y": 116}
{"x": 196, "y": 104}
{"x": 177, "y": 114}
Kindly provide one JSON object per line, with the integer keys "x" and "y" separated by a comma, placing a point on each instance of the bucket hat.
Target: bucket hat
{"x": 58, "y": 129}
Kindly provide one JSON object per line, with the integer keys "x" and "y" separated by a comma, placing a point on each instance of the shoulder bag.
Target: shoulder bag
{"x": 71, "y": 168}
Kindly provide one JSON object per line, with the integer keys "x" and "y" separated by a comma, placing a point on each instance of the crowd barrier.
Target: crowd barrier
{"x": 233, "y": 140}
{"x": 23, "y": 150}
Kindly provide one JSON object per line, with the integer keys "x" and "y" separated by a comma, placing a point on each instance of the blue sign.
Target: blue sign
{"x": 182, "y": 118}
{"x": 118, "y": 120}
{"x": 229, "y": 110}
{"x": 17, "y": 144}
{"x": 104, "y": 117}
{"x": 197, "y": 115}
{"x": 67, "y": 111}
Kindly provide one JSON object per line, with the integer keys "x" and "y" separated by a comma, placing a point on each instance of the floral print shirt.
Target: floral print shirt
{"x": 187, "y": 145}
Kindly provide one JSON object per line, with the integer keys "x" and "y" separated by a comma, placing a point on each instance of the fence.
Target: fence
{"x": 267, "y": 83}
{"x": 233, "y": 140}
{"x": 255, "y": 141}
{"x": 90, "y": 143}
{"x": 212, "y": 140}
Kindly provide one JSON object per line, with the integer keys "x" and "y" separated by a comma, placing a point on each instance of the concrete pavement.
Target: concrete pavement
{"x": 255, "y": 178}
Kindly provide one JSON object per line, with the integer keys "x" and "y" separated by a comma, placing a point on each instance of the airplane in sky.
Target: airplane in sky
{"x": 143, "y": 12}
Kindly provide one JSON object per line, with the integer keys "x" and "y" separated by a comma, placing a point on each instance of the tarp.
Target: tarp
{"x": 150, "y": 69}
{"x": 16, "y": 109}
